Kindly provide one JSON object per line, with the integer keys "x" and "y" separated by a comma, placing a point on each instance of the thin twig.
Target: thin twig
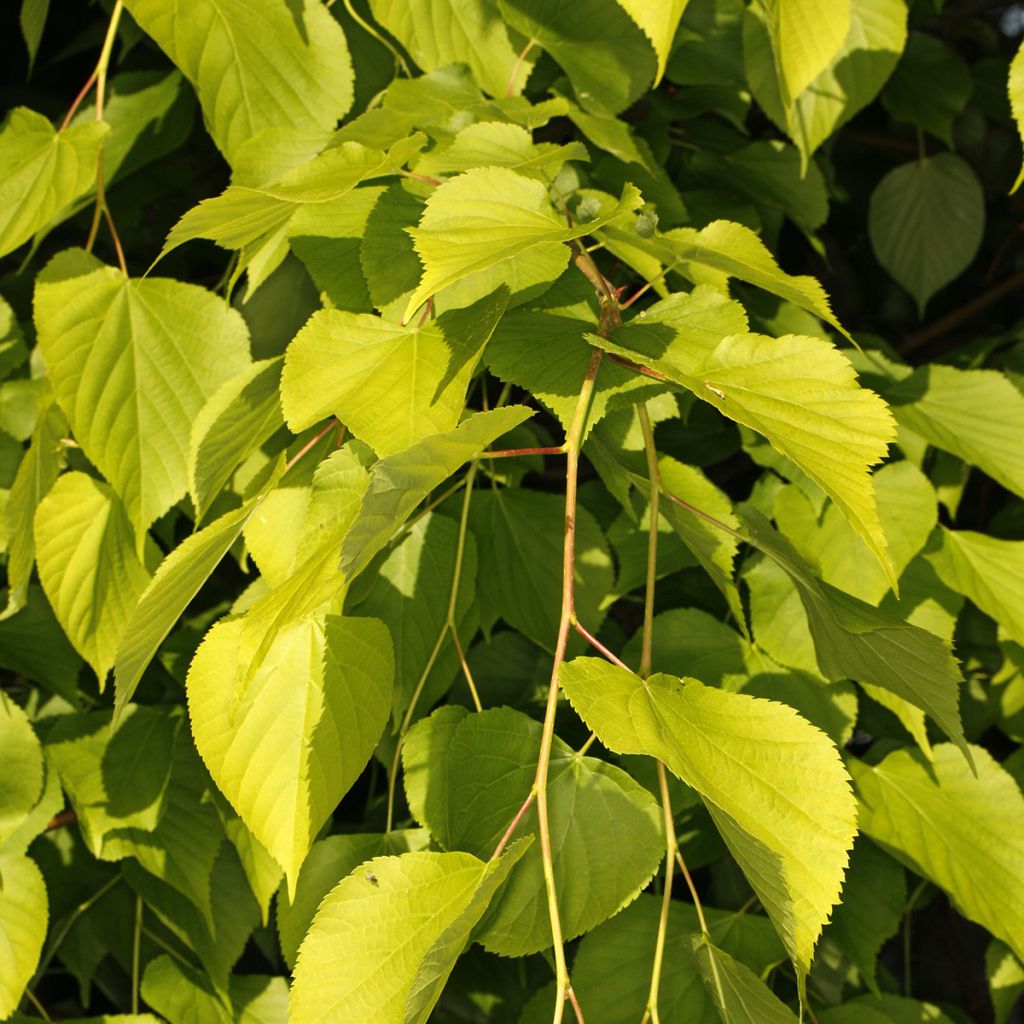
{"x": 514, "y": 824}
{"x": 594, "y": 642}
{"x": 309, "y": 445}
{"x": 508, "y": 453}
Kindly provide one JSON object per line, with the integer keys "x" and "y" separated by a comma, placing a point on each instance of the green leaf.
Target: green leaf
{"x": 611, "y": 973}
{"x": 884, "y": 1009}
{"x": 132, "y": 363}
{"x": 853, "y": 640}
{"x": 88, "y": 566}
{"x": 391, "y": 386}
{"x": 973, "y": 414}
{"x": 49, "y": 804}
{"x": 618, "y": 62}
{"x": 179, "y": 993}
{"x": 1015, "y": 89}
{"x": 547, "y": 354}
{"x": 22, "y": 783}
{"x": 485, "y": 217}
{"x": 33, "y": 21}
{"x": 286, "y": 745}
{"x": 386, "y": 938}
{"x": 497, "y": 144}
{"x": 256, "y": 220}
{"x": 329, "y": 861}
{"x": 926, "y": 222}
{"x": 805, "y": 39}
{"x": 930, "y": 86}
{"x": 217, "y": 939}
{"x": 23, "y": 924}
{"x": 177, "y": 580}
{"x": 874, "y": 897}
{"x": 962, "y": 831}
{"x": 467, "y": 776}
{"x": 520, "y": 536}
{"x": 723, "y": 250}
{"x": 774, "y": 785}
{"x": 243, "y": 413}
{"x": 872, "y": 48}
{"x": 117, "y": 780}
{"x": 988, "y": 571}
{"x": 739, "y": 994}
{"x": 409, "y": 593}
{"x": 255, "y": 66}
{"x": 1005, "y": 975}
{"x": 436, "y": 34}
{"x": 33, "y": 645}
{"x": 37, "y": 472}
{"x": 799, "y": 392}
{"x": 42, "y": 172}
{"x": 659, "y": 19}
{"x": 400, "y": 482}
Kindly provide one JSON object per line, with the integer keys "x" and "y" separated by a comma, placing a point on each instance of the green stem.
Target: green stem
{"x": 136, "y": 951}
{"x": 371, "y": 31}
{"x": 573, "y": 443}
{"x": 449, "y": 626}
{"x": 666, "y": 897}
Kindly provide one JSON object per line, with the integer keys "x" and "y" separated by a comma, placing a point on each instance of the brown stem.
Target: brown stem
{"x": 77, "y": 102}
{"x": 964, "y": 312}
{"x": 61, "y": 820}
{"x": 509, "y": 453}
{"x": 637, "y": 368}
{"x": 309, "y": 445}
{"x": 594, "y": 642}
{"x": 513, "y": 825}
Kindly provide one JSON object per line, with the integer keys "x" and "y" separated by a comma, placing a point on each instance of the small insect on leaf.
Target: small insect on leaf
{"x": 711, "y": 387}
{"x": 372, "y": 878}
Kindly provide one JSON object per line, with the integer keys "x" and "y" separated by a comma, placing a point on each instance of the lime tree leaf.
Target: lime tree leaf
{"x": 392, "y": 386}
{"x": 175, "y": 583}
{"x": 22, "y": 782}
{"x": 853, "y": 640}
{"x": 519, "y": 536}
{"x": 400, "y": 482}
{"x": 409, "y": 592}
{"x": 773, "y": 783}
{"x": 92, "y": 577}
{"x": 329, "y": 861}
{"x": 386, "y": 938}
{"x": 988, "y": 571}
{"x": 467, "y": 776}
{"x": 33, "y": 645}
{"x": 286, "y": 745}
{"x": 611, "y": 973}
{"x": 1015, "y": 88}
{"x": 659, "y": 19}
{"x": 618, "y": 62}
{"x": 497, "y": 144}
{"x": 217, "y": 940}
{"x": 1005, "y": 975}
{"x": 739, "y": 994}
{"x": 36, "y": 474}
{"x": 436, "y": 33}
{"x": 874, "y": 895}
{"x": 926, "y": 220}
{"x": 805, "y": 39}
{"x": 42, "y": 172}
{"x": 486, "y": 216}
{"x": 180, "y": 993}
{"x": 930, "y": 86}
{"x": 884, "y": 1009}
{"x": 962, "y": 831}
{"x": 132, "y": 363}
{"x": 255, "y": 66}
{"x": 723, "y": 250}
{"x": 49, "y": 804}
{"x": 242, "y": 414}
{"x": 33, "y": 20}
{"x": 973, "y": 414}
{"x": 263, "y": 873}
{"x": 870, "y": 52}
{"x": 23, "y": 922}
{"x": 257, "y": 220}
{"x": 712, "y": 546}
{"x": 547, "y": 354}
{"x": 799, "y": 392}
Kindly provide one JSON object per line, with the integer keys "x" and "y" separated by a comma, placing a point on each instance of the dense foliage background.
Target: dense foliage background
{"x": 348, "y": 353}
